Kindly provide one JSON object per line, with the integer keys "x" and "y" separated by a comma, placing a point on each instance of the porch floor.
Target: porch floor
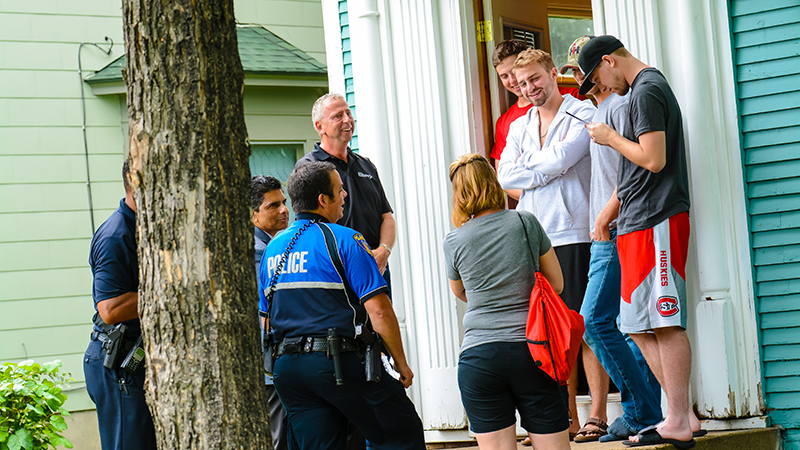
{"x": 755, "y": 439}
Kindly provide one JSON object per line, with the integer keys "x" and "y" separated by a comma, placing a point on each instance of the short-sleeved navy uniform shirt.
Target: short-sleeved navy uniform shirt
{"x": 366, "y": 201}
{"x": 114, "y": 262}
{"x": 648, "y": 198}
{"x": 310, "y": 295}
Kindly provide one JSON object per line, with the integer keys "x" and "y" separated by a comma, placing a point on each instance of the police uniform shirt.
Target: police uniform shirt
{"x": 113, "y": 259}
{"x": 310, "y": 296}
{"x": 366, "y": 201}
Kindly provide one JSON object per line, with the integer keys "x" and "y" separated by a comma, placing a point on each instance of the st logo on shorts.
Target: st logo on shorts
{"x": 667, "y": 306}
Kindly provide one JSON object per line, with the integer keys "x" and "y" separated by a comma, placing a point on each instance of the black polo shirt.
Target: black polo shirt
{"x": 115, "y": 265}
{"x": 366, "y": 201}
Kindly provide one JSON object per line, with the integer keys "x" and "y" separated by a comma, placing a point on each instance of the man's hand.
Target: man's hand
{"x": 601, "y": 231}
{"x": 600, "y": 133}
{"x": 406, "y": 375}
{"x": 381, "y": 257}
{"x": 605, "y": 217}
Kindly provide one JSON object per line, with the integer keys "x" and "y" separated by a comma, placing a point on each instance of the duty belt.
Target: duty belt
{"x": 312, "y": 344}
{"x": 99, "y": 336}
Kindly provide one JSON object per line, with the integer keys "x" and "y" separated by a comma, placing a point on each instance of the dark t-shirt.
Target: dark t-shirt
{"x": 366, "y": 201}
{"x": 648, "y": 198}
{"x": 115, "y": 266}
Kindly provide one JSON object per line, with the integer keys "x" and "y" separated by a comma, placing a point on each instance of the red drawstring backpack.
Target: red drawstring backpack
{"x": 554, "y": 332}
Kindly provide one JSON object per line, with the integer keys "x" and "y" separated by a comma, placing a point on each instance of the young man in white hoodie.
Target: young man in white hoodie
{"x": 547, "y": 157}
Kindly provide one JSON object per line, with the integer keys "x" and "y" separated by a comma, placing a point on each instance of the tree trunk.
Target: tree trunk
{"x": 197, "y": 296}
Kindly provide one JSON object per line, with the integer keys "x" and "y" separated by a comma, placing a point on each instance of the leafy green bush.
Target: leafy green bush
{"x": 31, "y": 406}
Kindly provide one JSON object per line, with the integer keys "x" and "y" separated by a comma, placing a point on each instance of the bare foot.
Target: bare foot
{"x": 668, "y": 430}
{"x": 694, "y": 422}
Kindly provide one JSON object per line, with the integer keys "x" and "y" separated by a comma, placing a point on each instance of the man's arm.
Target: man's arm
{"x": 384, "y": 322}
{"x": 119, "y": 309}
{"x": 561, "y": 154}
{"x": 650, "y": 153}
{"x": 511, "y": 173}
{"x": 388, "y": 237}
{"x": 606, "y": 216}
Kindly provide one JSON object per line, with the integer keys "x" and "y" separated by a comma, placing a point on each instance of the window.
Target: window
{"x": 563, "y": 31}
{"x": 276, "y": 160}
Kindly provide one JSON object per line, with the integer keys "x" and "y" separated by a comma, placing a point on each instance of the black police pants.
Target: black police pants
{"x": 318, "y": 409}
{"x": 122, "y": 415}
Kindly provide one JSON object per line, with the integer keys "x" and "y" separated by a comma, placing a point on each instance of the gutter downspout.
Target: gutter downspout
{"x": 83, "y": 123}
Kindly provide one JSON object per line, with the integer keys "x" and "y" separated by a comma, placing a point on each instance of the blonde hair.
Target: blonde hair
{"x": 475, "y": 188}
{"x": 532, "y": 56}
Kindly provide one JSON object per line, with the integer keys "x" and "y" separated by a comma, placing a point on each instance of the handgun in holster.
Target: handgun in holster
{"x": 372, "y": 355}
{"x": 113, "y": 346}
{"x": 267, "y": 349}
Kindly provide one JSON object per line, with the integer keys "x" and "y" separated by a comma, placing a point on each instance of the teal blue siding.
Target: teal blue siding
{"x": 347, "y": 59}
{"x": 766, "y": 41}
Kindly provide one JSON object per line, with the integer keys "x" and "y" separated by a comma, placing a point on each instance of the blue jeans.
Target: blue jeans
{"x": 619, "y": 355}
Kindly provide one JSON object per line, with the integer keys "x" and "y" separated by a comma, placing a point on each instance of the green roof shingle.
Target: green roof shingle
{"x": 261, "y": 51}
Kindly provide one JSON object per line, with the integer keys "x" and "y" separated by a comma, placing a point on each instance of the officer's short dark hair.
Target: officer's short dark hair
{"x": 126, "y": 170}
{"x": 505, "y": 49}
{"x": 260, "y": 185}
{"x": 307, "y": 182}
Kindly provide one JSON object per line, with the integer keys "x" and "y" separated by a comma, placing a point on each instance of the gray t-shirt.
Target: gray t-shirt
{"x": 605, "y": 160}
{"x": 489, "y": 256}
{"x": 648, "y": 198}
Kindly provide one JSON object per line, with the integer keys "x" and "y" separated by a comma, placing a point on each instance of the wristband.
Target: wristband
{"x": 389, "y": 249}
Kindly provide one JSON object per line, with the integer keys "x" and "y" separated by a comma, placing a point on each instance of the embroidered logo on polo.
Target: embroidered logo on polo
{"x": 364, "y": 175}
{"x": 363, "y": 243}
{"x": 667, "y": 306}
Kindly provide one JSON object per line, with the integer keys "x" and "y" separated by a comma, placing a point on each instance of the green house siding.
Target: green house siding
{"x": 347, "y": 59}
{"x": 766, "y": 39}
{"x": 45, "y": 228}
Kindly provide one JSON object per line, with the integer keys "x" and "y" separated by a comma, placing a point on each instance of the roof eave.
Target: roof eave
{"x": 117, "y": 86}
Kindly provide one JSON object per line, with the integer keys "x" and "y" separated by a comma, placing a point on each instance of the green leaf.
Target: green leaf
{"x": 58, "y": 422}
{"x": 51, "y": 367}
{"x": 59, "y": 440}
{"x": 25, "y": 438}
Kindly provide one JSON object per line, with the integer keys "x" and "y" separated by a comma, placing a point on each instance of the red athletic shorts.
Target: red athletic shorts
{"x": 653, "y": 263}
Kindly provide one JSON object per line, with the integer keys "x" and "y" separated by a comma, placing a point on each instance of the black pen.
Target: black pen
{"x": 573, "y": 115}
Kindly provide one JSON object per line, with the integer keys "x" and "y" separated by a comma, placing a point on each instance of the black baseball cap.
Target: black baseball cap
{"x": 591, "y": 55}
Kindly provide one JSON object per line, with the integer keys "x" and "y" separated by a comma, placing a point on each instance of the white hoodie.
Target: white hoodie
{"x": 554, "y": 179}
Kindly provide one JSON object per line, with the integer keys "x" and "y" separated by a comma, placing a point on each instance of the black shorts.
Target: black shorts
{"x": 498, "y": 378}
{"x": 574, "y": 261}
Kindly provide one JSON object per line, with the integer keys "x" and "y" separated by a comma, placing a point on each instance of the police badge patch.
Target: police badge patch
{"x": 363, "y": 243}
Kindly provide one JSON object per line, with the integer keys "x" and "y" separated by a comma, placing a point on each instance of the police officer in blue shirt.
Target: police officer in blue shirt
{"x": 122, "y": 414}
{"x": 311, "y": 299}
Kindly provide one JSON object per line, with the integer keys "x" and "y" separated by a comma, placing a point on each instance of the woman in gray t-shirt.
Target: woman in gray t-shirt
{"x": 491, "y": 270}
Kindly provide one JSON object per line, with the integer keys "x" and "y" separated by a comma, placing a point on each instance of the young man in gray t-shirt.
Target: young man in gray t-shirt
{"x": 653, "y": 226}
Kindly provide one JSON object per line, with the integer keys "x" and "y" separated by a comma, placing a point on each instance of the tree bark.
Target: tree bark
{"x": 197, "y": 296}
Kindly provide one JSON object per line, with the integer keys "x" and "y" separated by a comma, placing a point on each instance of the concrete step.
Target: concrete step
{"x": 756, "y": 439}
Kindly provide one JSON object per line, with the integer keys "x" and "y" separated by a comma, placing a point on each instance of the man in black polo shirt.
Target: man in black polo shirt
{"x": 366, "y": 208}
{"x": 122, "y": 414}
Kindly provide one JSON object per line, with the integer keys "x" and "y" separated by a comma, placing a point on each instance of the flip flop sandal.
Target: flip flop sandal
{"x": 652, "y": 437}
{"x": 700, "y": 433}
{"x": 591, "y": 433}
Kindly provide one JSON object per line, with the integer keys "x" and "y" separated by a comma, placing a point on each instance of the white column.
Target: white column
{"x": 695, "y": 56}
{"x": 410, "y": 84}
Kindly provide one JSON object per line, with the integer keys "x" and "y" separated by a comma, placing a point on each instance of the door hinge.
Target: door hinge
{"x": 484, "y": 30}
